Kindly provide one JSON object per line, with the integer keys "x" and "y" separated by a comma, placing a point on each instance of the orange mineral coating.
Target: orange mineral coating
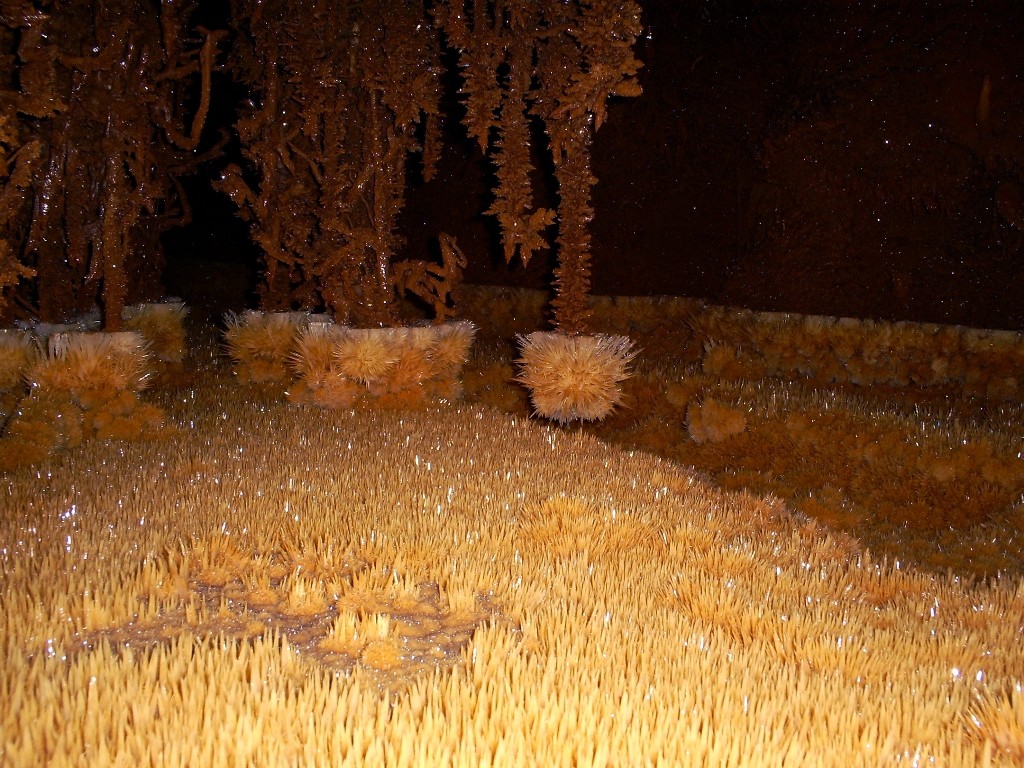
{"x": 453, "y": 585}
{"x": 94, "y": 129}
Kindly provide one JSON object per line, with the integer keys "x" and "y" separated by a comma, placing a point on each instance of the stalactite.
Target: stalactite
{"x": 572, "y": 275}
{"x": 342, "y": 94}
{"x": 584, "y": 58}
{"x": 112, "y": 246}
{"x": 338, "y": 98}
{"x": 207, "y": 55}
{"x": 93, "y": 80}
{"x": 559, "y": 63}
{"x": 432, "y": 143}
{"x": 481, "y": 53}
{"x": 18, "y": 163}
{"x": 521, "y": 225}
{"x": 264, "y": 129}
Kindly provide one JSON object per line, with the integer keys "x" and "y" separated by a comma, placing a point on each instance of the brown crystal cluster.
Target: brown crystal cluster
{"x": 344, "y": 94}
{"x": 557, "y": 63}
{"x": 102, "y": 106}
{"x": 340, "y": 91}
{"x": 104, "y": 102}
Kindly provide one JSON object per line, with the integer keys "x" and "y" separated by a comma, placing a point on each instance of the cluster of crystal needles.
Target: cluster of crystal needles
{"x": 457, "y": 587}
{"x": 574, "y": 377}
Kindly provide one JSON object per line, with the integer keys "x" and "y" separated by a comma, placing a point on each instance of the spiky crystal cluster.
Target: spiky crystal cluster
{"x": 335, "y": 366}
{"x": 458, "y": 587}
{"x": 574, "y": 377}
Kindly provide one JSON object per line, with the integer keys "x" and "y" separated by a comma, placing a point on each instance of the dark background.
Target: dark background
{"x": 825, "y": 157}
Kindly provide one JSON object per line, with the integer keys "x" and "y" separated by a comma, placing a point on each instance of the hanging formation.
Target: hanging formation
{"x": 96, "y": 135}
{"x": 105, "y": 110}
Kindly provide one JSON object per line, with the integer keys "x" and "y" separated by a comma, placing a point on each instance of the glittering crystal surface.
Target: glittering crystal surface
{"x": 450, "y": 582}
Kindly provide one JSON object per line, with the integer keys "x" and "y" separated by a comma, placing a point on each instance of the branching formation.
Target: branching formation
{"x": 558, "y": 62}
{"x": 343, "y": 93}
{"x": 103, "y": 105}
{"x": 341, "y": 90}
{"x": 96, "y": 127}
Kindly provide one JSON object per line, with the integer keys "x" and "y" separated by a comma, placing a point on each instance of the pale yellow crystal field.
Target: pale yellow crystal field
{"x": 284, "y": 585}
